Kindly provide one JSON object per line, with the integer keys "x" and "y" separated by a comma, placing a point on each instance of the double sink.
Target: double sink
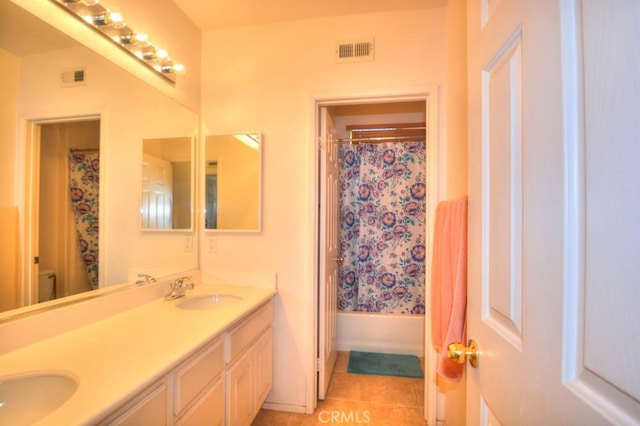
{"x": 29, "y": 397}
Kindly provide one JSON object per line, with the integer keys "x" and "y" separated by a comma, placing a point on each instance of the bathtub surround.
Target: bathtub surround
{"x": 376, "y": 332}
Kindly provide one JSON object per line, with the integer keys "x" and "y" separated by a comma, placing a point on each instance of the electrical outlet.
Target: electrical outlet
{"x": 188, "y": 244}
{"x": 212, "y": 245}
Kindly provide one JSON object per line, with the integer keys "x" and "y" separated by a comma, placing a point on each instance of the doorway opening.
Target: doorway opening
{"x": 62, "y": 258}
{"x": 341, "y": 319}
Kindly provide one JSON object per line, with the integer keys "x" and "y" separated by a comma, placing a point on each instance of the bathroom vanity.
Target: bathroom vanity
{"x": 201, "y": 359}
{"x": 232, "y": 374}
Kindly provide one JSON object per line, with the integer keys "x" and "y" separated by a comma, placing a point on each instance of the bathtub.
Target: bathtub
{"x": 386, "y": 333}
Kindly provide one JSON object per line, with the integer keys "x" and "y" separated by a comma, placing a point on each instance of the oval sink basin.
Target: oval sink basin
{"x": 208, "y": 301}
{"x": 30, "y": 397}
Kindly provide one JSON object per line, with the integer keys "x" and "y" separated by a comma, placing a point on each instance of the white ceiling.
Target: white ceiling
{"x": 210, "y": 14}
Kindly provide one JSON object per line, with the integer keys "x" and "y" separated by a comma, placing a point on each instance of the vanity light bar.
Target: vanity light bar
{"x": 112, "y": 25}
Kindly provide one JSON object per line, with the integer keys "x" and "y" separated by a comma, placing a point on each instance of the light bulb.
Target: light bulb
{"x": 141, "y": 37}
{"x": 116, "y": 20}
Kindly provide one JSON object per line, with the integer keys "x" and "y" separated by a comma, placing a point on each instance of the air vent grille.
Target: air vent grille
{"x": 73, "y": 77}
{"x": 355, "y": 51}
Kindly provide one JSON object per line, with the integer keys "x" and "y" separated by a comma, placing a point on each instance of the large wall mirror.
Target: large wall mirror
{"x": 104, "y": 119}
{"x": 167, "y": 190}
{"x": 233, "y": 183}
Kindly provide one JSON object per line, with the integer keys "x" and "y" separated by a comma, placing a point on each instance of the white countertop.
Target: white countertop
{"x": 115, "y": 358}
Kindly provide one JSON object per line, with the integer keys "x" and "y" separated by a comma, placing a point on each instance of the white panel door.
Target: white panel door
{"x": 329, "y": 262}
{"x": 157, "y": 193}
{"x": 554, "y": 95}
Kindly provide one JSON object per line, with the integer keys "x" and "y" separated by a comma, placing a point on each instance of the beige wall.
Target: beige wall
{"x": 456, "y": 160}
{"x": 267, "y": 78}
{"x": 130, "y": 111}
{"x": 237, "y": 183}
{"x": 9, "y": 75}
{"x": 182, "y": 186}
{"x": 455, "y": 128}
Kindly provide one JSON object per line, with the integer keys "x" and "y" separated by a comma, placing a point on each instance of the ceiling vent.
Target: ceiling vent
{"x": 355, "y": 51}
{"x": 73, "y": 77}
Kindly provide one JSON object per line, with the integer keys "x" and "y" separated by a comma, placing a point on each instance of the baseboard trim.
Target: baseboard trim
{"x": 285, "y": 407}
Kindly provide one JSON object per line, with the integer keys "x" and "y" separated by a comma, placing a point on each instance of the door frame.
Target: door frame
{"x": 435, "y": 172}
{"x": 29, "y": 182}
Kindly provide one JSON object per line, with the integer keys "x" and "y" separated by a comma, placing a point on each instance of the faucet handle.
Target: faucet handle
{"x": 178, "y": 288}
{"x": 146, "y": 279}
{"x": 181, "y": 280}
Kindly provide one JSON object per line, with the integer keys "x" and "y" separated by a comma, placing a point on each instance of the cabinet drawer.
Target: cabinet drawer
{"x": 197, "y": 374}
{"x": 248, "y": 331}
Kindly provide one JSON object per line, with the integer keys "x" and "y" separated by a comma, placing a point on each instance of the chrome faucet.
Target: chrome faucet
{"x": 145, "y": 279}
{"x": 178, "y": 288}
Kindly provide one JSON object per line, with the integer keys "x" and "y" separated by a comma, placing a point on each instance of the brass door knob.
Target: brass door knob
{"x": 339, "y": 259}
{"x": 459, "y": 353}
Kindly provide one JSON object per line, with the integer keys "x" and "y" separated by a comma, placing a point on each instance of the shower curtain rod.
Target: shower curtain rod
{"x": 401, "y": 133}
{"x": 381, "y": 139}
{"x": 387, "y": 129}
{"x": 83, "y": 149}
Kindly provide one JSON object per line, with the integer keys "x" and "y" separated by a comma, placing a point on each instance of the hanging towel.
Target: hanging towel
{"x": 449, "y": 283}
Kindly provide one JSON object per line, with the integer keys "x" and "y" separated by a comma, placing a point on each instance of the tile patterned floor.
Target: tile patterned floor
{"x": 359, "y": 399}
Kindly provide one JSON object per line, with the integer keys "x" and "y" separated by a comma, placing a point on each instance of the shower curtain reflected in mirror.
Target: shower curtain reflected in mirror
{"x": 382, "y": 235}
{"x": 84, "y": 179}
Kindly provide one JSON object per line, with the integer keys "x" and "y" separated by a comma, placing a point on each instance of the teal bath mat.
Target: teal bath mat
{"x": 384, "y": 364}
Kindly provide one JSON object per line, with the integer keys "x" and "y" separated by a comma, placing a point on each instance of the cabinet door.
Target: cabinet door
{"x": 208, "y": 409}
{"x": 264, "y": 366}
{"x": 241, "y": 390}
{"x": 150, "y": 408}
{"x": 192, "y": 378}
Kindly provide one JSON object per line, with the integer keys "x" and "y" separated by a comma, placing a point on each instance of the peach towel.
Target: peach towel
{"x": 449, "y": 283}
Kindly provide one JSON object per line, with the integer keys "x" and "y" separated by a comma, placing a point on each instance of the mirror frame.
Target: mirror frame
{"x": 192, "y": 184}
{"x": 202, "y": 181}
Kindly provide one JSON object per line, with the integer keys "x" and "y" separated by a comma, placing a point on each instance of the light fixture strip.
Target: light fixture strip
{"x": 112, "y": 25}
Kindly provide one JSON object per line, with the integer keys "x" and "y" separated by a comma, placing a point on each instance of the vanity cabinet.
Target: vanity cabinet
{"x": 249, "y": 348}
{"x": 199, "y": 388}
{"x": 224, "y": 383}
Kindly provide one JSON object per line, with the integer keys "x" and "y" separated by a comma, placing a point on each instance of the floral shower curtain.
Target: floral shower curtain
{"x": 382, "y": 235}
{"x": 84, "y": 172}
